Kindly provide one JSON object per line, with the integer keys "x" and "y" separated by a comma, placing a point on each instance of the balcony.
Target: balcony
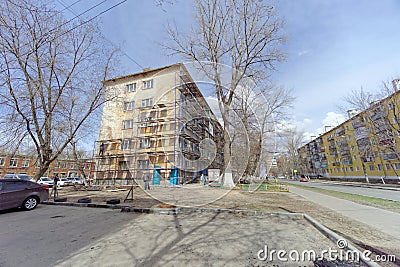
{"x": 390, "y": 156}
{"x": 339, "y": 131}
{"x": 378, "y": 115}
{"x": 367, "y": 159}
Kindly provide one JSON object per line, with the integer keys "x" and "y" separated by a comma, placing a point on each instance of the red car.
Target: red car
{"x": 303, "y": 179}
{"x": 15, "y": 193}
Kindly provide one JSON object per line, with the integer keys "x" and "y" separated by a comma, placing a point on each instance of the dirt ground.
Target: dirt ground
{"x": 362, "y": 235}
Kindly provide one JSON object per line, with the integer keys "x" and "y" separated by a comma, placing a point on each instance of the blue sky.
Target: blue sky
{"x": 333, "y": 46}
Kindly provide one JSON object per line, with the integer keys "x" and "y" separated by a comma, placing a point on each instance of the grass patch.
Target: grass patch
{"x": 370, "y": 201}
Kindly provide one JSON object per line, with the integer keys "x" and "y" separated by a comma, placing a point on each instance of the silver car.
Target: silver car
{"x": 18, "y": 176}
{"x": 15, "y": 193}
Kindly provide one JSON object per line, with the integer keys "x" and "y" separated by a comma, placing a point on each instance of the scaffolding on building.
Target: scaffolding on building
{"x": 163, "y": 134}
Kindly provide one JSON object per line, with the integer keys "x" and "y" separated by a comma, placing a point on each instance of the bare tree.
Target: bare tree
{"x": 50, "y": 78}
{"x": 259, "y": 113}
{"x": 291, "y": 140}
{"x": 242, "y": 34}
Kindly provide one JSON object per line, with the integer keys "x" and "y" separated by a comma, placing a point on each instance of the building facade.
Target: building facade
{"x": 158, "y": 124}
{"x": 366, "y": 146}
{"x": 19, "y": 164}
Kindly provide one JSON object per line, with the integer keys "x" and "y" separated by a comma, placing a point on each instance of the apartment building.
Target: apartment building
{"x": 366, "y": 146}
{"x": 158, "y": 124}
{"x": 20, "y": 164}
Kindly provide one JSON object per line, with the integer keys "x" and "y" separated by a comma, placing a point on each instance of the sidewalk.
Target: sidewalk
{"x": 385, "y": 221}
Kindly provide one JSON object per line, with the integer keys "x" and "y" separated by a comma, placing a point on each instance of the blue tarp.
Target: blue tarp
{"x": 173, "y": 176}
{"x": 156, "y": 175}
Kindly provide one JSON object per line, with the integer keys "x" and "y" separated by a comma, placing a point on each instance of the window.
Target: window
{"x": 144, "y": 143}
{"x": 387, "y": 166}
{"x": 131, "y": 87}
{"x": 129, "y": 105}
{"x": 379, "y": 167}
{"x": 123, "y": 165}
{"x": 126, "y": 144}
{"x": 128, "y": 124}
{"x": 147, "y": 102}
{"x": 64, "y": 165}
{"x": 13, "y": 162}
{"x": 16, "y": 185}
{"x": 2, "y": 161}
{"x": 371, "y": 167}
{"x": 396, "y": 166}
{"x": 143, "y": 164}
{"x": 148, "y": 84}
{"x": 351, "y": 169}
{"x": 357, "y": 168}
{"x": 71, "y": 165}
{"x": 25, "y": 163}
{"x": 354, "y": 157}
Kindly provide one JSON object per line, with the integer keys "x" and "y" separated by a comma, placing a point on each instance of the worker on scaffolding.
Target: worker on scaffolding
{"x": 146, "y": 180}
{"x": 101, "y": 152}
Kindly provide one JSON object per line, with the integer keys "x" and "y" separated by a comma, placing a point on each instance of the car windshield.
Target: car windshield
{"x": 46, "y": 179}
{"x": 24, "y": 177}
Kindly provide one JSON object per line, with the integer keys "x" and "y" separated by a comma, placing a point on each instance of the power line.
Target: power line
{"x": 112, "y": 43}
{"x": 76, "y": 26}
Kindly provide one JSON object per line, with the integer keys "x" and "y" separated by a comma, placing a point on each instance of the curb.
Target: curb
{"x": 370, "y": 186}
{"x": 337, "y": 238}
{"x": 84, "y": 205}
{"x": 188, "y": 210}
{"x": 364, "y": 185}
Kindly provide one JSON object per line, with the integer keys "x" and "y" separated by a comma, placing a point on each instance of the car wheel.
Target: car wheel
{"x": 113, "y": 201}
{"x": 30, "y": 203}
{"x": 85, "y": 200}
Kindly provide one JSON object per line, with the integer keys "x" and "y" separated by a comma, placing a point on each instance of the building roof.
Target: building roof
{"x": 361, "y": 113}
{"x": 144, "y": 72}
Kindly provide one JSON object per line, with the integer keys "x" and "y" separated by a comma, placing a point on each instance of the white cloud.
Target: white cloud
{"x": 331, "y": 120}
{"x": 302, "y": 53}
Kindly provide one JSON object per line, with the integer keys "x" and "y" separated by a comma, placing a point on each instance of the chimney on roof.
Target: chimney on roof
{"x": 396, "y": 84}
{"x": 146, "y": 69}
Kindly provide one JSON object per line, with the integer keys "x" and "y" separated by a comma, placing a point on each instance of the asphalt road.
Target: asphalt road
{"x": 364, "y": 191}
{"x": 72, "y": 236}
{"x": 49, "y": 233}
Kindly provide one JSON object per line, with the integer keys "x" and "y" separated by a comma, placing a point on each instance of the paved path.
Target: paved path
{"x": 383, "y": 220}
{"x": 70, "y": 236}
{"x": 346, "y": 188}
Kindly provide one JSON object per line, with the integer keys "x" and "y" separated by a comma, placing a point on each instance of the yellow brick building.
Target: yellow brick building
{"x": 365, "y": 147}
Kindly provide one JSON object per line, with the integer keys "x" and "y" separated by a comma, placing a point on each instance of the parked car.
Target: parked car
{"x": 18, "y": 176}
{"x": 64, "y": 182}
{"x": 15, "y": 193}
{"x": 303, "y": 179}
{"x": 46, "y": 181}
{"x": 76, "y": 180}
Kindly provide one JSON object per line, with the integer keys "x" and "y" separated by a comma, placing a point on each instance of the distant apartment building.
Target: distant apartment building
{"x": 366, "y": 146}
{"x": 159, "y": 124}
{"x": 19, "y": 164}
